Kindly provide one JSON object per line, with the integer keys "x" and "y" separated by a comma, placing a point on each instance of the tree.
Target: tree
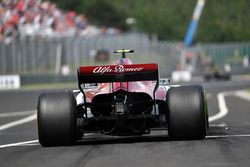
{"x": 103, "y": 13}
{"x": 221, "y": 20}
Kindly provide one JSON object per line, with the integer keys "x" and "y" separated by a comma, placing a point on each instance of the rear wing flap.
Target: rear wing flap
{"x": 117, "y": 73}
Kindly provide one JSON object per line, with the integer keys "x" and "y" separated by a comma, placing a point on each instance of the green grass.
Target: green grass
{"x": 42, "y": 86}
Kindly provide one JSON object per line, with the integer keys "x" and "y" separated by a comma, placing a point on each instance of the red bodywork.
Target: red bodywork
{"x": 122, "y": 66}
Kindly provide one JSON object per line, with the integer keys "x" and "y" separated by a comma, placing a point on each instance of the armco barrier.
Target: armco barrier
{"x": 43, "y": 79}
{"x": 51, "y": 56}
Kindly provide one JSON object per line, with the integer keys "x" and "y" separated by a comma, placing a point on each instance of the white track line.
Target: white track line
{"x": 227, "y": 136}
{"x": 19, "y": 143}
{"x": 221, "y": 125}
{"x": 223, "y": 110}
{"x": 14, "y": 114}
{"x": 243, "y": 95}
{"x": 18, "y": 122}
{"x": 222, "y": 103}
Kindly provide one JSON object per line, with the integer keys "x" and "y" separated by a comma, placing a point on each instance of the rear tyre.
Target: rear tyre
{"x": 187, "y": 113}
{"x": 56, "y": 119}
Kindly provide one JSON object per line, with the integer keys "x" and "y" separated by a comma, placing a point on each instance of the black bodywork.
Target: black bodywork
{"x": 112, "y": 116}
{"x": 217, "y": 75}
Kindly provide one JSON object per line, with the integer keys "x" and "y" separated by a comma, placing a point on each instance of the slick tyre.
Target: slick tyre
{"x": 187, "y": 113}
{"x": 56, "y": 119}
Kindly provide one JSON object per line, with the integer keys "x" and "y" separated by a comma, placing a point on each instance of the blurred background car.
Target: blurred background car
{"x": 214, "y": 72}
{"x": 217, "y": 74}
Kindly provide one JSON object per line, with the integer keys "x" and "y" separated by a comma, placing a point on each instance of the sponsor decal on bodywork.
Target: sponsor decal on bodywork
{"x": 116, "y": 69}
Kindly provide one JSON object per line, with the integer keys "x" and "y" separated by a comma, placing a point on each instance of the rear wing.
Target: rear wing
{"x": 117, "y": 73}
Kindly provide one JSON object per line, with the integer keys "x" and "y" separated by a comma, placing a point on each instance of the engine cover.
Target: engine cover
{"x": 121, "y": 102}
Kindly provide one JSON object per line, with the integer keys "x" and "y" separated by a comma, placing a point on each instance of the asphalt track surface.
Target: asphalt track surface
{"x": 227, "y": 143}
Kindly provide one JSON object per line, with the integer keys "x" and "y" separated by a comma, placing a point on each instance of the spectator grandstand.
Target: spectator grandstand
{"x": 44, "y": 19}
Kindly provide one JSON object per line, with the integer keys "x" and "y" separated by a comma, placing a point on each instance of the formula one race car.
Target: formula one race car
{"x": 217, "y": 74}
{"x": 122, "y": 99}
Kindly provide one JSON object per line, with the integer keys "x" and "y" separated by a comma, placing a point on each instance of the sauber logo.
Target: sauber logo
{"x": 117, "y": 69}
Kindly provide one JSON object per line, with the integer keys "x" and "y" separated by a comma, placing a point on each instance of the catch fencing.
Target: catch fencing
{"x": 57, "y": 56}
